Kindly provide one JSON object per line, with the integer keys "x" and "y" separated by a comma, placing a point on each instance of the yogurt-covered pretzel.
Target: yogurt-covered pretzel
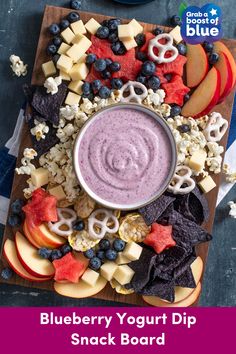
{"x": 64, "y": 226}
{"x": 162, "y": 49}
{"x": 183, "y": 183}
{"x": 215, "y": 128}
{"x": 103, "y": 226}
{"x": 133, "y": 96}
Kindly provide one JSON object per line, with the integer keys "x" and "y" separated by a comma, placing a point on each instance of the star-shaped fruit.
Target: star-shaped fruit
{"x": 68, "y": 268}
{"x": 160, "y": 237}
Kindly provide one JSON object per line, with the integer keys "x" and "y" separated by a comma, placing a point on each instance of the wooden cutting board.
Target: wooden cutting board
{"x": 54, "y": 15}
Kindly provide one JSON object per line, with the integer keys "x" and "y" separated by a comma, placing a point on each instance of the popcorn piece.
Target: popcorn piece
{"x": 51, "y": 84}
{"x": 49, "y": 68}
{"x": 69, "y": 112}
{"x": 30, "y": 153}
{"x": 39, "y": 177}
{"x": 27, "y": 167}
{"x": 214, "y": 164}
{"x": 92, "y": 26}
{"x": 232, "y": 211}
{"x": 197, "y": 160}
{"x": 124, "y": 274}
{"x": 207, "y": 184}
{"x": 29, "y": 190}
{"x": 17, "y": 66}
{"x": 39, "y": 130}
{"x": 230, "y": 176}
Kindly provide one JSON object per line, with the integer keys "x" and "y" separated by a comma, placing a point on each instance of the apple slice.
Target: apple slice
{"x": 81, "y": 289}
{"x": 10, "y": 253}
{"x": 197, "y": 65}
{"x": 28, "y": 236}
{"x": 30, "y": 259}
{"x": 221, "y": 47}
{"x": 205, "y": 97}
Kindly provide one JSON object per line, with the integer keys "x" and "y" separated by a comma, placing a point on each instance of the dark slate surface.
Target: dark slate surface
{"x": 19, "y": 29}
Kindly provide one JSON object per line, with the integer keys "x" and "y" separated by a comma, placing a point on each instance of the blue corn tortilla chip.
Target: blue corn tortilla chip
{"x": 161, "y": 288}
{"x": 154, "y": 210}
{"x": 186, "y": 280}
{"x": 184, "y": 265}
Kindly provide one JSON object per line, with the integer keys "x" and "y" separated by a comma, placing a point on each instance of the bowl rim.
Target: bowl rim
{"x": 76, "y": 165}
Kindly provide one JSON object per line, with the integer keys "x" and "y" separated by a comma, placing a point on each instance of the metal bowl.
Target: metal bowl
{"x": 76, "y": 164}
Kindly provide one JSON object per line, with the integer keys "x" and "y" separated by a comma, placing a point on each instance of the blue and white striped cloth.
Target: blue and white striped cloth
{"x": 9, "y": 152}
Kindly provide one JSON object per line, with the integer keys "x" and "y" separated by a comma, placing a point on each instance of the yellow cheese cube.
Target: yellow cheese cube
{"x": 72, "y": 98}
{"x": 63, "y": 48}
{"x": 78, "y": 27}
{"x": 125, "y": 32}
{"x": 207, "y": 184}
{"x": 121, "y": 259}
{"x": 64, "y": 76}
{"x": 132, "y": 251}
{"x": 129, "y": 44}
{"x": 57, "y": 192}
{"x": 64, "y": 63}
{"x": 176, "y": 34}
{"x": 82, "y": 59}
{"x": 83, "y": 42}
{"x": 90, "y": 277}
{"x": 39, "y": 177}
{"x": 77, "y": 38}
{"x": 197, "y": 160}
{"x": 92, "y": 26}
{"x": 108, "y": 269}
{"x": 123, "y": 274}
{"x": 76, "y": 86}
{"x": 49, "y": 68}
{"x": 75, "y": 53}
{"x": 137, "y": 28}
{"x": 79, "y": 72}
{"x": 68, "y": 35}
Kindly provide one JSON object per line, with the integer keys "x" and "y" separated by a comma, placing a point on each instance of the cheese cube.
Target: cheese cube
{"x": 108, "y": 269}
{"x": 137, "y": 28}
{"x": 132, "y": 251}
{"x": 90, "y": 277}
{"x": 125, "y": 32}
{"x": 77, "y": 38}
{"x": 78, "y": 27}
{"x": 64, "y": 63}
{"x": 82, "y": 59}
{"x": 207, "y": 184}
{"x": 129, "y": 44}
{"x": 92, "y": 26}
{"x": 75, "y": 53}
{"x": 57, "y": 192}
{"x": 63, "y": 48}
{"x": 72, "y": 98}
{"x": 49, "y": 68}
{"x": 124, "y": 274}
{"x": 121, "y": 259}
{"x": 64, "y": 76}
{"x": 67, "y": 35}
{"x": 83, "y": 42}
{"x": 197, "y": 160}
{"x": 76, "y": 86}
{"x": 79, "y": 72}
{"x": 176, "y": 34}
{"x": 39, "y": 177}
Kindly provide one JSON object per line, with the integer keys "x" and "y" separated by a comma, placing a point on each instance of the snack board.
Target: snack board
{"x": 54, "y": 15}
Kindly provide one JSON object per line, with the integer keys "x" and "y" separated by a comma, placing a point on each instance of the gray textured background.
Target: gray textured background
{"x": 20, "y": 22}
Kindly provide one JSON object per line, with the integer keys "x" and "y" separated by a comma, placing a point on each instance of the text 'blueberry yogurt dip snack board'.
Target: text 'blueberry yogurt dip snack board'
{"x": 120, "y": 161}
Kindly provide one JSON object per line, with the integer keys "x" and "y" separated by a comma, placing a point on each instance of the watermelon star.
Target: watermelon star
{"x": 160, "y": 237}
{"x": 68, "y": 268}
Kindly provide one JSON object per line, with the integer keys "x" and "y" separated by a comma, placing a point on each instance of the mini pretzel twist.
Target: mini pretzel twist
{"x": 103, "y": 224}
{"x": 162, "y": 49}
{"x": 133, "y": 96}
{"x": 62, "y": 220}
{"x": 215, "y": 128}
{"x": 180, "y": 179}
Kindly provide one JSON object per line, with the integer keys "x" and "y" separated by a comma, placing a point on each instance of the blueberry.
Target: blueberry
{"x": 111, "y": 255}
{"x": 213, "y": 58}
{"x": 108, "y": 61}
{"x": 55, "y": 58}
{"x": 102, "y": 32}
{"x": 86, "y": 89}
{"x": 54, "y": 29}
{"x": 66, "y": 249}
{"x": 104, "y": 244}
{"x": 113, "y": 24}
{"x": 96, "y": 85}
{"x": 16, "y": 206}
{"x": 104, "y": 92}
{"x": 101, "y": 254}
{"x": 44, "y": 252}
{"x": 118, "y": 245}
{"x": 95, "y": 263}
{"x": 64, "y": 24}
{"x": 79, "y": 224}
{"x": 73, "y": 17}
{"x": 89, "y": 253}
{"x": 175, "y": 110}
{"x": 115, "y": 66}
{"x": 182, "y": 49}
{"x": 116, "y": 83}
{"x": 208, "y": 46}
{"x": 51, "y": 49}
{"x": 118, "y": 48}
{"x": 105, "y": 23}
{"x": 113, "y": 37}
{"x": 100, "y": 65}
{"x": 154, "y": 82}
{"x": 75, "y": 4}
{"x": 91, "y": 58}
{"x": 176, "y": 20}
{"x": 140, "y": 39}
{"x": 6, "y": 273}
{"x": 106, "y": 74}
{"x": 14, "y": 220}
{"x": 157, "y": 31}
{"x": 57, "y": 41}
{"x": 141, "y": 56}
{"x": 56, "y": 254}
{"x": 89, "y": 96}
{"x": 148, "y": 68}
{"x": 184, "y": 128}
{"x": 186, "y": 97}
{"x": 141, "y": 79}
{"x": 168, "y": 77}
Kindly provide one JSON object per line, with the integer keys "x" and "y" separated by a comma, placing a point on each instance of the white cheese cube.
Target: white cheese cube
{"x": 197, "y": 160}
{"x": 82, "y": 59}
{"x": 83, "y": 42}
{"x": 78, "y": 27}
{"x": 129, "y": 44}
{"x": 207, "y": 184}
{"x": 64, "y": 76}
{"x": 121, "y": 259}
{"x": 68, "y": 35}
{"x": 124, "y": 274}
{"x": 72, "y": 99}
{"x": 176, "y": 34}
{"x": 39, "y": 177}
{"x": 76, "y": 86}
{"x": 108, "y": 269}
{"x": 77, "y": 38}
{"x": 75, "y": 53}
{"x": 92, "y": 26}
{"x": 79, "y": 72}
{"x": 57, "y": 192}
{"x": 132, "y": 251}
{"x": 90, "y": 277}
{"x": 49, "y": 68}
{"x": 137, "y": 28}
{"x": 125, "y": 32}
{"x": 63, "y": 48}
{"x": 64, "y": 63}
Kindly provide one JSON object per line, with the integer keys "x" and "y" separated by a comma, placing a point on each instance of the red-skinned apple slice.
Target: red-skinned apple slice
{"x": 30, "y": 259}
{"x": 221, "y": 47}
{"x": 226, "y": 74}
{"x": 205, "y": 97}
{"x": 28, "y": 235}
{"x": 197, "y": 65}
{"x": 10, "y": 253}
